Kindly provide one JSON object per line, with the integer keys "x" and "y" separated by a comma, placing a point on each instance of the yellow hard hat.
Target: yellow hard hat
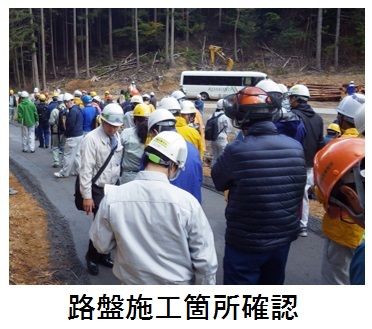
{"x": 55, "y": 94}
{"x": 42, "y": 97}
{"x": 142, "y": 110}
{"x": 335, "y": 127}
{"x": 93, "y": 93}
{"x": 107, "y": 92}
{"x": 11, "y": 92}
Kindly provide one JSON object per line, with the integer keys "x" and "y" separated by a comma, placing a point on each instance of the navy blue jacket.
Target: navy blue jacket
{"x": 51, "y": 106}
{"x": 265, "y": 174}
{"x": 74, "y": 122}
{"x": 314, "y": 139}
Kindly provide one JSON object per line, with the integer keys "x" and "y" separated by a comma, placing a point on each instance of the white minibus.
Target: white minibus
{"x": 217, "y": 84}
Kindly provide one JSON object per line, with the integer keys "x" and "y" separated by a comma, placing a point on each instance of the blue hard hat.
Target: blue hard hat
{"x": 87, "y": 99}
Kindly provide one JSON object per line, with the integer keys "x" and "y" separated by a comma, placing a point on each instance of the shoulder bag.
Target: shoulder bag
{"x": 78, "y": 197}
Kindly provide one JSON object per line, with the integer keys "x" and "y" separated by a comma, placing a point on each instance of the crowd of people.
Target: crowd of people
{"x": 277, "y": 157}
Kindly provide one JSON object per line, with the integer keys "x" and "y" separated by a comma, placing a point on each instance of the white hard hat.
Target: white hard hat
{"x": 60, "y": 98}
{"x": 171, "y": 104}
{"x": 170, "y": 144}
{"x": 349, "y": 105}
{"x": 113, "y": 114}
{"x": 351, "y": 82}
{"x": 68, "y": 97}
{"x": 187, "y": 107}
{"x": 178, "y": 94}
{"x": 161, "y": 115}
{"x": 136, "y": 99}
{"x": 77, "y": 93}
{"x": 198, "y": 96}
{"x": 24, "y": 94}
{"x": 300, "y": 91}
{"x": 220, "y": 104}
{"x": 146, "y": 96}
{"x": 268, "y": 85}
{"x": 36, "y": 90}
{"x": 152, "y": 94}
{"x": 283, "y": 88}
{"x": 359, "y": 119}
{"x": 97, "y": 98}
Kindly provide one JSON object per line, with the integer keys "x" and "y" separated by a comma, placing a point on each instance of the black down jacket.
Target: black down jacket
{"x": 265, "y": 174}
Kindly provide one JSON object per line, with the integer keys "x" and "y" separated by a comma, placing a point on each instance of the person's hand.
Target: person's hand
{"x": 36, "y": 124}
{"x": 88, "y": 205}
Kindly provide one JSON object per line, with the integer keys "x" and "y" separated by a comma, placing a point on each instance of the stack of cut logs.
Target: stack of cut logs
{"x": 325, "y": 93}
{"x": 328, "y": 92}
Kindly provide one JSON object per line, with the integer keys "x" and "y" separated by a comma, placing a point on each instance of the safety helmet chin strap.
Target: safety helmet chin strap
{"x": 355, "y": 199}
{"x": 178, "y": 171}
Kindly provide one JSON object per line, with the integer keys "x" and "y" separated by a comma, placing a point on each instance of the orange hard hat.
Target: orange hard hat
{"x": 336, "y": 159}
{"x": 134, "y": 92}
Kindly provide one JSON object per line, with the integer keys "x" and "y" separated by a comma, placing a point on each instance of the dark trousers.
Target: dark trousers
{"x": 244, "y": 268}
{"x": 44, "y": 133}
{"x": 92, "y": 253}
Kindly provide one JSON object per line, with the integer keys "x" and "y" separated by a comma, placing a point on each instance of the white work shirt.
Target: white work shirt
{"x": 129, "y": 120}
{"x": 133, "y": 149}
{"x": 160, "y": 233}
{"x": 95, "y": 149}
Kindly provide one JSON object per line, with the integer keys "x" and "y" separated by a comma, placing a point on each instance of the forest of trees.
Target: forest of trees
{"x": 43, "y": 40}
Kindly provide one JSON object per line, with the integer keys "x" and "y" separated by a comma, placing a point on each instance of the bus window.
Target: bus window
{"x": 233, "y": 81}
{"x": 256, "y": 80}
{"x": 247, "y": 81}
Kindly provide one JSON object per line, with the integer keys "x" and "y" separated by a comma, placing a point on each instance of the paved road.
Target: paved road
{"x": 56, "y": 196}
{"x": 318, "y": 108}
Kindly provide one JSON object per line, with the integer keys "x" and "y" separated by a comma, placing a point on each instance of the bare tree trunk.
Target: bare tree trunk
{"x": 110, "y": 36}
{"x": 16, "y": 64}
{"x": 39, "y": 51}
{"x": 66, "y": 38}
{"x": 337, "y": 37}
{"x": 219, "y": 18}
{"x": 14, "y": 71}
{"x": 23, "y": 68}
{"x": 155, "y": 15}
{"x": 187, "y": 25}
{"x": 82, "y": 43}
{"x": 35, "y": 69}
{"x": 172, "y": 63}
{"x": 236, "y": 35}
{"x": 99, "y": 34}
{"x": 87, "y": 41}
{"x": 167, "y": 36}
{"x": 52, "y": 42}
{"x": 319, "y": 39}
{"x": 307, "y": 40}
{"x": 137, "y": 39}
{"x": 75, "y": 44}
{"x": 43, "y": 49}
{"x": 133, "y": 19}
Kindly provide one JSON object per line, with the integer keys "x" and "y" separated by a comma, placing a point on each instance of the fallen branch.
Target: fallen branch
{"x": 273, "y": 52}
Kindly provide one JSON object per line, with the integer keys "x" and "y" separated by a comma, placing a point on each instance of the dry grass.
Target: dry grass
{"x": 28, "y": 241}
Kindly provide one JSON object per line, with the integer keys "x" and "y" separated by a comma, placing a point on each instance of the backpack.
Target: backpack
{"x": 62, "y": 120}
{"x": 43, "y": 113}
{"x": 211, "y": 128}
